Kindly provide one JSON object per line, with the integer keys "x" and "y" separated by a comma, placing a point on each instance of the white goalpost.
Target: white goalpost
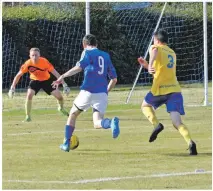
{"x": 205, "y": 54}
{"x": 145, "y": 56}
{"x": 87, "y": 17}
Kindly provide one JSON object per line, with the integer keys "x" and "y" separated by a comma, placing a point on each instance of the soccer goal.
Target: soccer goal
{"x": 187, "y": 24}
{"x": 123, "y": 29}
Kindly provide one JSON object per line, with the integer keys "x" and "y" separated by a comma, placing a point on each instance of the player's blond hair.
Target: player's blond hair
{"x": 35, "y": 49}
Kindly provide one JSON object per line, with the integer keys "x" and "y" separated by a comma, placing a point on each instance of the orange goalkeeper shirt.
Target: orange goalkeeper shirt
{"x": 39, "y": 71}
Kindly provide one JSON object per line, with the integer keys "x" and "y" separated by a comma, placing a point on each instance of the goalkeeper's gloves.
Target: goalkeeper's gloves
{"x": 66, "y": 89}
{"x": 11, "y": 93}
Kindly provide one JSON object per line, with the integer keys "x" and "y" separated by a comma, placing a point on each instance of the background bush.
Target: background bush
{"x": 24, "y": 25}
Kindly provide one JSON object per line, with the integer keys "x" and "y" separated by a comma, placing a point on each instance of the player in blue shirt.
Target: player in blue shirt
{"x": 97, "y": 67}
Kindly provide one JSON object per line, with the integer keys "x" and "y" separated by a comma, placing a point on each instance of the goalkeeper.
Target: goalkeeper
{"x": 39, "y": 69}
{"x": 165, "y": 89}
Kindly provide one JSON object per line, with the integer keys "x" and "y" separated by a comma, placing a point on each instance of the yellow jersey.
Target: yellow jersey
{"x": 164, "y": 79}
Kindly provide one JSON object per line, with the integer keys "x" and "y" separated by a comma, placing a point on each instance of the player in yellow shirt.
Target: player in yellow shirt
{"x": 165, "y": 89}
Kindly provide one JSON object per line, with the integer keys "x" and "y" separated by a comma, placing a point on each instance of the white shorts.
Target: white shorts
{"x": 85, "y": 100}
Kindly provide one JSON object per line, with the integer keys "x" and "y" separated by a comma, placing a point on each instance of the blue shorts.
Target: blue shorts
{"x": 173, "y": 101}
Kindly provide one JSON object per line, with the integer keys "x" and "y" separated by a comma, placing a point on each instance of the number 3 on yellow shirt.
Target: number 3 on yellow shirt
{"x": 171, "y": 61}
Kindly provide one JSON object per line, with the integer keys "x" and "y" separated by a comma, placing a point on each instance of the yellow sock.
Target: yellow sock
{"x": 28, "y": 106}
{"x": 60, "y": 104}
{"x": 185, "y": 133}
{"x": 150, "y": 114}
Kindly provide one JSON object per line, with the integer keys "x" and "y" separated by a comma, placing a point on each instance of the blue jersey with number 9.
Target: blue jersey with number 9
{"x": 97, "y": 68}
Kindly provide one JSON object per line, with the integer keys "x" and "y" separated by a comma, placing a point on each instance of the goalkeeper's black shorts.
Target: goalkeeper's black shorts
{"x": 36, "y": 85}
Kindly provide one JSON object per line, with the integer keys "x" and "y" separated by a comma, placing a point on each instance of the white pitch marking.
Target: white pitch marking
{"x": 108, "y": 178}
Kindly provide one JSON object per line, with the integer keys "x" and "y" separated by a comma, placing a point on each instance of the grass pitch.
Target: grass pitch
{"x": 32, "y": 159}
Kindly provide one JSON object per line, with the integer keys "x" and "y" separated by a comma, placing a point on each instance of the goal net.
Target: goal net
{"x": 122, "y": 29}
{"x": 184, "y": 24}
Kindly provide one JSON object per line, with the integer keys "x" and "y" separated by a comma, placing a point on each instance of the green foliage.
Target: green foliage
{"x": 66, "y": 11}
{"x": 184, "y": 9}
{"x": 43, "y": 11}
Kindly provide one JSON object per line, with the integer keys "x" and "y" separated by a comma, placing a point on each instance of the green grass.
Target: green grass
{"x": 31, "y": 151}
{"x": 193, "y": 96}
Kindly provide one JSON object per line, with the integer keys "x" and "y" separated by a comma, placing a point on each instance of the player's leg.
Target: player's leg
{"x": 178, "y": 124}
{"x": 47, "y": 87}
{"x": 57, "y": 94}
{"x": 97, "y": 120}
{"x": 81, "y": 103}
{"x": 33, "y": 89}
{"x": 100, "y": 122}
{"x": 28, "y": 105}
{"x": 149, "y": 112}
{"x": 147, "y": 106}
{"x": 176, "y": 109}
{"x": 69, "y": 128}
{"x": 99, "y": 104}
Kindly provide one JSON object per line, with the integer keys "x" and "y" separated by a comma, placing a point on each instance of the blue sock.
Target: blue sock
{"x": 105, "y": 123}
{"x": 68, "y": 131}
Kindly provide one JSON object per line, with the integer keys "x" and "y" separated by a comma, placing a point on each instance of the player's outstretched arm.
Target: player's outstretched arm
{"x": 71, "y": 72}
{"x": 111, "y": 84}
{"x": 13, "y": 86}
{"x": 66, "y": 89}
{"x": 57, "y": 75}
{"x": 143, "y": 62}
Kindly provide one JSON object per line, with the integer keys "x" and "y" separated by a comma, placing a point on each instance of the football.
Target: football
{"x": 74, "y": 142}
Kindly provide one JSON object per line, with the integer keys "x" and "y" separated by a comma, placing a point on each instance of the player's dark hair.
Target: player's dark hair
{"x": 161, "y": 35}
{"x": 90, "y": 39}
